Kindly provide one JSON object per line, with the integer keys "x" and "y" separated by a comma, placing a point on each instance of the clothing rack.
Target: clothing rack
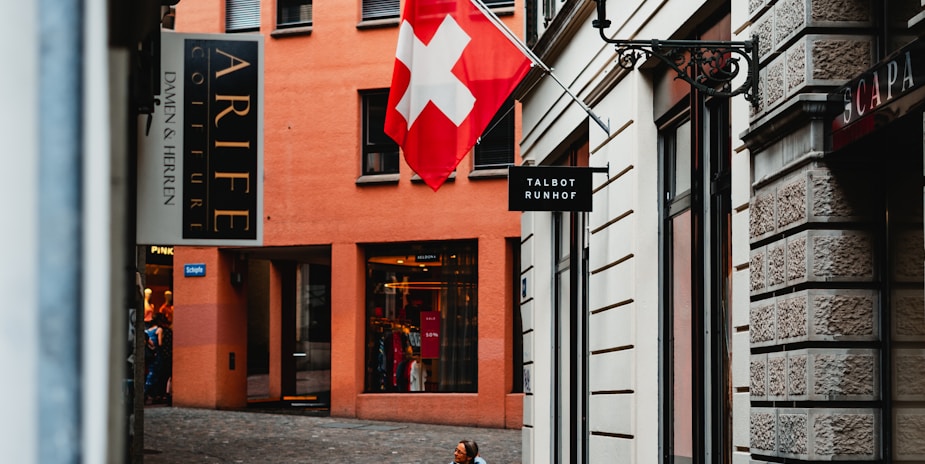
{"x": 394, "y": 324}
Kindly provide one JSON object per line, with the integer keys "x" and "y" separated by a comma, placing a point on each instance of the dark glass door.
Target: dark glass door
{"x": 310, "y": 325}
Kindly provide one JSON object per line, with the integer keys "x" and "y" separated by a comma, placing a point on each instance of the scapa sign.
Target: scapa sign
{"x": 549, "y": 188}
{"x": 873, "y": 91}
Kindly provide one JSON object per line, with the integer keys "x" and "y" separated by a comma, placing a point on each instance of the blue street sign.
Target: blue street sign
{"x": 194, "y": 270}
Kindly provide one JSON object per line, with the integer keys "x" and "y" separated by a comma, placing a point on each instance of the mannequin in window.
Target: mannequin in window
{"x": 149, "y": 308}
{"x": 167, "y": 308}
{"x": 417, "y": 375}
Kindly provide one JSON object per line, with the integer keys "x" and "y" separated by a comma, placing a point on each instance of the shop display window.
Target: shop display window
{"x": 422, "y": 318}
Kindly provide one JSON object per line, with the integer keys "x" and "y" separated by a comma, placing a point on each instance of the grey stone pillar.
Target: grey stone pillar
{"x": 812, "y": 360}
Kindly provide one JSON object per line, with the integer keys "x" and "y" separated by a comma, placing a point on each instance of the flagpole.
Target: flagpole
{"x": 536, "y": 60}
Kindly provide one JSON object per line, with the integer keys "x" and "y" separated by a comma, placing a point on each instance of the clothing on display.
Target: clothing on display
{"x": 395, "y": 357}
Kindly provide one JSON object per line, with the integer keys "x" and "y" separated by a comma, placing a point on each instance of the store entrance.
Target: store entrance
{"x": 289, "y": 334}
{"x": 306, "y": 338}
{"x": 883, "y": 175}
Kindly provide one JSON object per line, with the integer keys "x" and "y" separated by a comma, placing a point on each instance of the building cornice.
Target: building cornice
{"x": 572, "y": 17}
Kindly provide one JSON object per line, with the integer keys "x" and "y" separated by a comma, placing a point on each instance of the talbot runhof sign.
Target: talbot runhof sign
{"x": 550, "y": 188}
{"x": 200, "y": 165}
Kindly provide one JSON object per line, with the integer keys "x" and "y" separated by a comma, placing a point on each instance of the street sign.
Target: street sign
{"x": 194, "y": 270}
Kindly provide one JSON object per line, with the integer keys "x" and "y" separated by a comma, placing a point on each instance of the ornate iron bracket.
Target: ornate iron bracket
{"x": 708, "y": 66}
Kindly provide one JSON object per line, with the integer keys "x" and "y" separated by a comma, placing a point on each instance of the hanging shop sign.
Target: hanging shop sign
{"x": 200, "y": 163}
{"x": 880, "y": 95}
{"x": 549, "y": 188}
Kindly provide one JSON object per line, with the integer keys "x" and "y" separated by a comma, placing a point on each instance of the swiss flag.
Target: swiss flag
{"x": 453, "y": 70}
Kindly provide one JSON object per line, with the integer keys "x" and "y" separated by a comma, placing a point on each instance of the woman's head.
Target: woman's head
{"x": 466, "y": 451}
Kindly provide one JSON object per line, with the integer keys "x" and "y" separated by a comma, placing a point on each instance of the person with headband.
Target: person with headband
{"x": 467, "y": 452}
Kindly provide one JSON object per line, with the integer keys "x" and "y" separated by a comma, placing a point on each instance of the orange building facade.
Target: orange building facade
{"x": 372, "y": 296}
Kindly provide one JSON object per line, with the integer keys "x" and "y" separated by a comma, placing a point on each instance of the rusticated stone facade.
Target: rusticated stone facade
{"x": 796, "y": 256}
{"x": 836, "y": 288}
{"x": 813, "y": 256}
{"x": 795, "y": 61}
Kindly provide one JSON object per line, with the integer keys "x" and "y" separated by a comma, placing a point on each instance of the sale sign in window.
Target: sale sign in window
{"x": 430, "y": 334}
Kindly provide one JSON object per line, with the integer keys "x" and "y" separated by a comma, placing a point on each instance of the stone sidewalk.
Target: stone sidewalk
{"x": 181, "y": 435}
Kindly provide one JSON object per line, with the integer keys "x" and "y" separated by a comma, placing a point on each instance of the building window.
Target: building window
{"x": 676, "y": 153}
{"x": 293, "y": 13}
{"x": 531, "y": 29}
{"x": 518, "y": 374}
{"x": 564, "y": 386}
{"x": 422, "y": 318}
{"x": 380, "y": 152}
{"x": 569, "y": 319}
{"x": 242, "y": 15}
{"x": 549, "y": 11}
{"x": 697, "y": 270}
{"x": 380, "y": 9}
{"x": 680, "y": 343}
{"x": 391, "y": 9}
{"x": 898, "y": 18}
{"x": 495, "y": 148}
{"x": 498, "y": 3}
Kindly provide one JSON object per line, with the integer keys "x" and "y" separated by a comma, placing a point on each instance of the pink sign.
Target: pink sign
{"x": 430, "y": 334}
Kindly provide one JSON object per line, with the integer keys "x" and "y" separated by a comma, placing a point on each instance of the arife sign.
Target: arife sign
{"x": 200, "y": 164}
{"x": 550, "y": 188}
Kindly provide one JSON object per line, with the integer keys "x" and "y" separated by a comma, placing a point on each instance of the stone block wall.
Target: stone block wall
{"x": 795, "y": 61}
{"x": 813, "y": 319}
{"x": 815, "y": 434}
{"x": 816, "y": 263}
{"x": 815, "y": 315}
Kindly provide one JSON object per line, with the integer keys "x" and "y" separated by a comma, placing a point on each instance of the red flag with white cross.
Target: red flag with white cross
{"x": 454, "y": 69}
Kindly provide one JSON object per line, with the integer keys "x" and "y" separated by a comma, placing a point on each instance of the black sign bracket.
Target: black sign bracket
{"x": 604, "y": 169}
{"x": 708, "y": 66}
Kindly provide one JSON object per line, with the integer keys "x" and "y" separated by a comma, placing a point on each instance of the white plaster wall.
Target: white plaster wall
{"x": 741, "y": 196}
{"x": 610, "y": 449}
{"x": 612, "y": 329}
{"x": 624, "y": 259}
{"x": 536, "y": 308}
{"x": 623, "y": 230}
{"x": 104, "y": 88}
{"x": 18, "y": 269}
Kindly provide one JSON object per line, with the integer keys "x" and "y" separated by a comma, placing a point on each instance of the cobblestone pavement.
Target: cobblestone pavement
{"x": 182, "y": 435}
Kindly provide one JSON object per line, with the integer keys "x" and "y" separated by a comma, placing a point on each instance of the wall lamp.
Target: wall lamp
{"x": 708, "y": 66}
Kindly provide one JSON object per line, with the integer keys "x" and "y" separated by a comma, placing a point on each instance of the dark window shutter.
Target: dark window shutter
{"x": 380, "y": 9}
{"x": 242, "y": 15}
{"x": 498, "y": 3}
